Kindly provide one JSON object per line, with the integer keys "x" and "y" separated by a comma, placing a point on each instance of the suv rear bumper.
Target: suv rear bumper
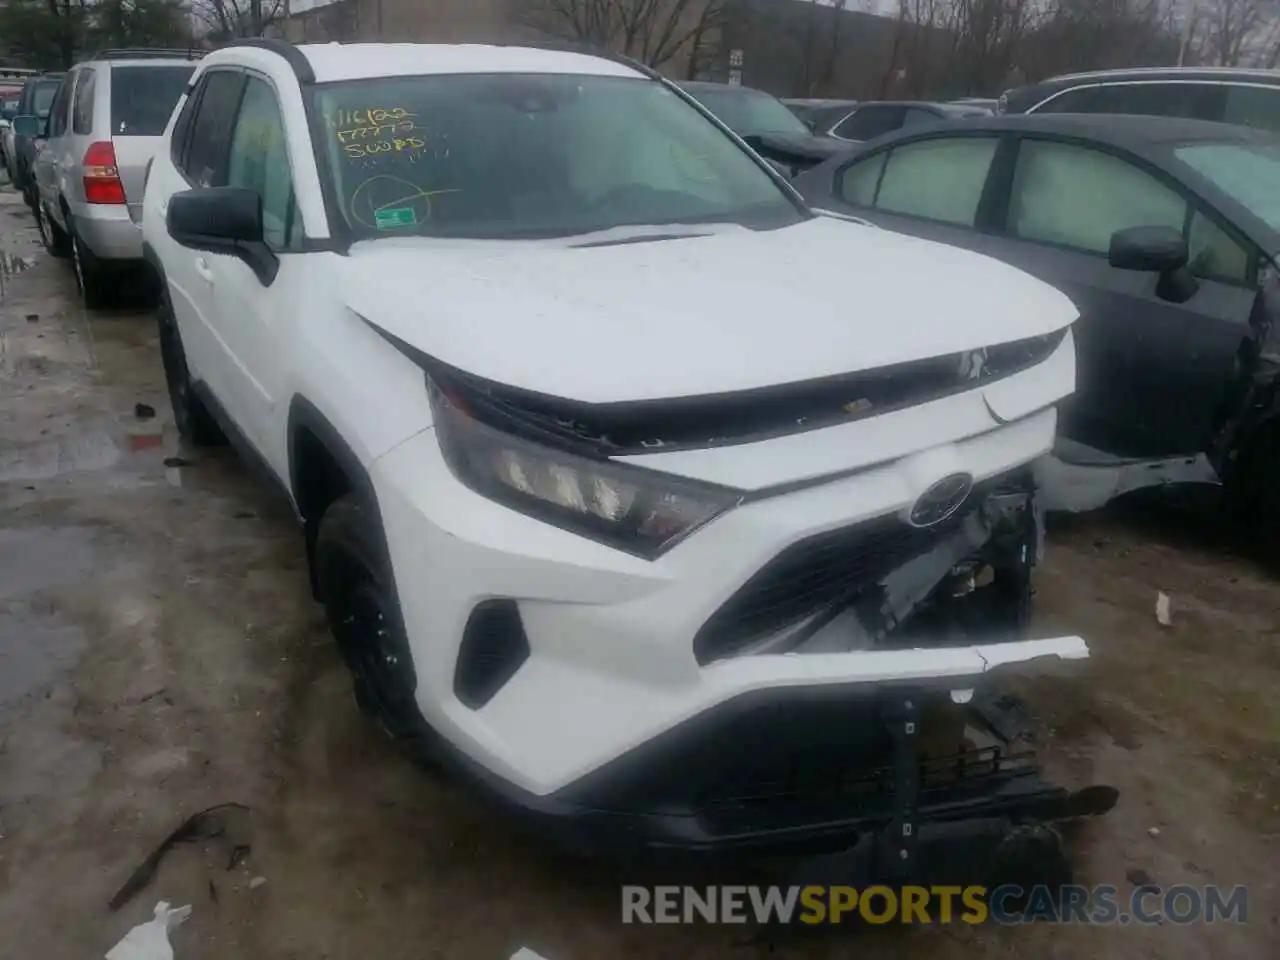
{"x": 108, "y": 231}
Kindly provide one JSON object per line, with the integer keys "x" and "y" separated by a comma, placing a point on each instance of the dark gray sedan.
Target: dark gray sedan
{"x": 1165, "y": 232}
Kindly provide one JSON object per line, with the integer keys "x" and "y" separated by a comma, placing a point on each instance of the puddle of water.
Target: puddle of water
{"x": 43, "y": 461}
{"x": 10, "y": 266}
{"x": 35, "y": 646}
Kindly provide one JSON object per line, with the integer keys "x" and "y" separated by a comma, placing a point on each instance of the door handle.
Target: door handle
{"x": 202, "y": 268}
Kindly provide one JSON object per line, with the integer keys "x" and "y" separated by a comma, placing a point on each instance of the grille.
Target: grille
{"x": 824, "y": 570}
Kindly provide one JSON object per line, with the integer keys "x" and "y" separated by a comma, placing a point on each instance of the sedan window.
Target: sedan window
{"x": 1214, "y": 253}
{"x": 1078, "y": 197}
{"x": 937, "y": 179}
{"x": 1252, "y": 107}
{"x": 1249, "y": 173}
{"x": 914, "y": 117}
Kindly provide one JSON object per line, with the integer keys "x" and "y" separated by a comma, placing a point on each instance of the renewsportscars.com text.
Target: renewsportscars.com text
{"x": 1098, "y": 905}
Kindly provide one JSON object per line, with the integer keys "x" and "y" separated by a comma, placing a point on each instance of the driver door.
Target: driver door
{"x": 251, "y": 314}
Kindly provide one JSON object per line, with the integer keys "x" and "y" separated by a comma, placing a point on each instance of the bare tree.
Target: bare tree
{"x": 1231, "y": 33}
{"x": 819, "y": 43}
{"x": 225, "y": 19}
{"x": 654, "y": 32}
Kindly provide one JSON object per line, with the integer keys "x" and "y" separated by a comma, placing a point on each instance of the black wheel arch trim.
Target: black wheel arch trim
{"x": 303, "y": 414}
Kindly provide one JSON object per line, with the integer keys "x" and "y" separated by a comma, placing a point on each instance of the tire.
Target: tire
{"x": 196, "y": 425}
{"x": 357, "y": 589}
{"x": 92, "y": 277}
{"x": 1253, "y": 495}
{"x": 54, "y": 238}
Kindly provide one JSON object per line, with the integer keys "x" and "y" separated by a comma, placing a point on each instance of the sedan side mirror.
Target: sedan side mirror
{"x": 225, "y": 220}
{"x": 27, "y": 125}
{"x": 1159, "y": 250}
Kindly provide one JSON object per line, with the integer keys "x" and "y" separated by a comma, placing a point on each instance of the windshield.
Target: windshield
{"x": 143, "y": 97}
{"x": 1248, "y": 173}
{"x": 518, "y": 155}
{"x": 42, "y": 99}
{"x": 748, "y": 112}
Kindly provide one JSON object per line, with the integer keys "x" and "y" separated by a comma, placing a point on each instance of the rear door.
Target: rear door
{"x": 142, "y": 99}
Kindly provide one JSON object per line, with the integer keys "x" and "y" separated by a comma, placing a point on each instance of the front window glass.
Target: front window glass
{"x": 517, "y": 155}
{"x": 1077, "y": 197}
{"x": 748, "y": 112}
{"x": 1248, "y": 173}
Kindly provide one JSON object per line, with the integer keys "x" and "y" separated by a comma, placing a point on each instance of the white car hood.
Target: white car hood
{"x": 731, "y": 310}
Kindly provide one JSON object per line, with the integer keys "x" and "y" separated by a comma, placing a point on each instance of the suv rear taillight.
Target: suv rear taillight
{"x": 101, "y": 176}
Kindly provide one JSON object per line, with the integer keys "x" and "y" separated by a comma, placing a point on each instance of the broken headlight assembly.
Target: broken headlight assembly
{"x": 639, "y": 511}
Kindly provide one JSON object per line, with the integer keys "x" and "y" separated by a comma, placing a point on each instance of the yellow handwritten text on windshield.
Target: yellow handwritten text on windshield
{"x": 358, "y": 151}
{"x": 373, "y": 123}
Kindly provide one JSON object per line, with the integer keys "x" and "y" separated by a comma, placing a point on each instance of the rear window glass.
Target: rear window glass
{"x": 42, "y": 99}
{"x": 142, "y": 98}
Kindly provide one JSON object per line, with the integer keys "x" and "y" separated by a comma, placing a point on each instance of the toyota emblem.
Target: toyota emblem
{"x": 941, "y": 500}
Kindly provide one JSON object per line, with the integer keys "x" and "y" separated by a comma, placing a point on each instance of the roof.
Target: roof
{"x": 1128, "y": 131}
{"x": 817, "y": 102}
{"x": 1168, "y": 73}
{"x": 693, "y": 86}
{"x": 360, "y": 61}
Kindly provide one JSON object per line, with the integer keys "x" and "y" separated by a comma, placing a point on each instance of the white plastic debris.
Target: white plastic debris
{"x": 256, "y": 882}
{"x": 150, "y": 940}
{"x": 524, "y": 953}
{"x": 1162, "y": 609}
{"x": 1153, "y": 831}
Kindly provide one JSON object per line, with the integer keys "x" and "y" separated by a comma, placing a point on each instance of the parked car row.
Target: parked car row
{"x": 102, "y": 124}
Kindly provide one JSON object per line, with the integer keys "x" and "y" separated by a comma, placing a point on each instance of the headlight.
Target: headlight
{"x": 640, "y": 511}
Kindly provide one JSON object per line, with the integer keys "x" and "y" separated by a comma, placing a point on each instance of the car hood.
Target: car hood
{"x": 657, "y": 313}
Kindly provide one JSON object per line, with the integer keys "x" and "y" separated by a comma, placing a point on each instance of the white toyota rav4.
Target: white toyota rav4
{"x": 642, "y": 494}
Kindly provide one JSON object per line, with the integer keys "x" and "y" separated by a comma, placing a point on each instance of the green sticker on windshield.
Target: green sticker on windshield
{"x": 394, "y": 217}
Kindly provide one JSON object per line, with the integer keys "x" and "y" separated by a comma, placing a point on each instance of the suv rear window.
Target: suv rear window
{"x": 142, "y": 98}
{"x": 42, "y": 97}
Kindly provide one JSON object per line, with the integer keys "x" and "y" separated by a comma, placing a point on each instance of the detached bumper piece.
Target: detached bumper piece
{"x": 816, "y": 772}
{"x": 885, "y": 584}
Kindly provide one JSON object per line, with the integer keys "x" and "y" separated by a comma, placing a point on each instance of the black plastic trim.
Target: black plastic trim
{"x": 494, "y": 648}
{"x": 624, "y": 414}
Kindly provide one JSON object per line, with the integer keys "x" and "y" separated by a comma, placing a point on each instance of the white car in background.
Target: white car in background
{"x": 609, "y": 502}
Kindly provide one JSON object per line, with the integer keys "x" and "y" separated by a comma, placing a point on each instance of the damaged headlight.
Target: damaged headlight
{"x": 639, "y": 511}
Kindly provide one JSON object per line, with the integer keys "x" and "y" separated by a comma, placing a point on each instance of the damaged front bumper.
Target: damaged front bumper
{"x": 862, "y": 730}
{"x": 730, "y": 696}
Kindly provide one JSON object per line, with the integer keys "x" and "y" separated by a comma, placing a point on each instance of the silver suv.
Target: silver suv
{"x": 104, "y": 126}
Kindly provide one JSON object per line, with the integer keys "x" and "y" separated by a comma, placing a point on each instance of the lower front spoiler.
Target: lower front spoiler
{"x": 891, "y": 819}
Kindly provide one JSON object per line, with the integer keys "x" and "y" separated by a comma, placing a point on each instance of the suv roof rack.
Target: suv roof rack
{"x": 148, "y": 53}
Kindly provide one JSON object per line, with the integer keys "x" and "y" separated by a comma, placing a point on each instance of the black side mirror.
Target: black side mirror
{"x": 224, "y": 220}
{"x": 1159, "y": 250}
{"x": 27, "y": 125}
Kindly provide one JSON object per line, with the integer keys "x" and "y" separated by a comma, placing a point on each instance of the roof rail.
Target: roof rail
{"x": 296, "y": 58}
{"x": 148, "y": 53}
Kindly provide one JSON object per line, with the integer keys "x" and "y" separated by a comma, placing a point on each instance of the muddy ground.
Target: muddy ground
{"x": 159, "y": 654}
